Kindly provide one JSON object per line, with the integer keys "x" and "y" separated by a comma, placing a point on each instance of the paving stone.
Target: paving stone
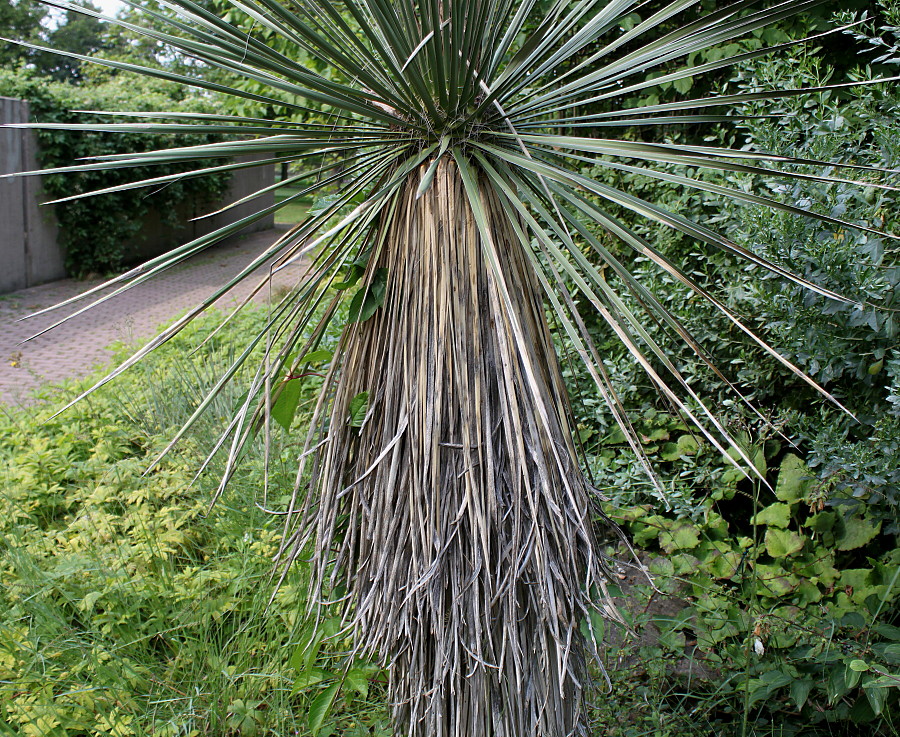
{"x": 81, "y": 345}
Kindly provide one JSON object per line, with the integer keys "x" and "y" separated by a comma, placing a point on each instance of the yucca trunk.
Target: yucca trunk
{"x": 463, "y": 519}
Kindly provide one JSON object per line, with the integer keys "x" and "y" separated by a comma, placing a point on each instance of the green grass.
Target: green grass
{"x": 291, "y": 213}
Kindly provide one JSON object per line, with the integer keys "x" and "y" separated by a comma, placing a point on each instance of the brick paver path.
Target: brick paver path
{"x": 77, "y": 347}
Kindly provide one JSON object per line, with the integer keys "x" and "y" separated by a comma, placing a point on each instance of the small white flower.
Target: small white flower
{"x": 758, "y": 646}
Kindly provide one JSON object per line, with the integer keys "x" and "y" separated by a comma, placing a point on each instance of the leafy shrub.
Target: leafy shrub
{"x": 783, "y": 607}
{"x": 787, "y": 606}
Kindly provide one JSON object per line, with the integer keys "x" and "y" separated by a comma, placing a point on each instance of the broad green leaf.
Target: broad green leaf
{"x": 368, "y": 298}
{"x": 776, "y": 679}
{"x": 821, "y": 521}
{"x": 793, "y": 479}
{"x": 319, "y": 356}
{"x": 285, "y": 406}
{"x": 681, "y": 536}
{"x": 861, "y": 711}
{"x": 305, "y": 653}
{"x": 877, "y": 695}
{"x": 836, "y": 685}
{"x": 354, "y": 273}
{"x": 859, "y": 665}
{"x": 851, "y": 675}
{"x": 320, "y": 708}
{"x": 310, "y": 677}
{"x": 661, "y": 567}
{"x": 87, "y": 603}
{"x": 887, "y": 630}
{"x": 775, "y": 515}
{"x": 857, "y": 532}
{"x": 669, "y": 452}
{"x": 672, "y": 640}
{"x": 597, "y": 626}
{"x": 684, "y": 446}
{"x": 358, "y": 680}
{"x": 800, "y": 689}
{"x": 322, "y": 204}
{"x": 725, "y": 565}
{"x": 683, "y": 85}
{"x": 359, "y": 405}
{"x": 808, "y": 592}
{"x": 774, "y": 581}
{"x": 647, "y": 529}
{"x": 781, "y": 543}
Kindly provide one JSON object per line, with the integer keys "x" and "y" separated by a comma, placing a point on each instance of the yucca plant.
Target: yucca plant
{"x": 439, "y": 494}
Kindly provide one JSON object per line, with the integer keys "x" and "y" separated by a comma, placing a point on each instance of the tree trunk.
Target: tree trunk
{"x": 460, "y": 517}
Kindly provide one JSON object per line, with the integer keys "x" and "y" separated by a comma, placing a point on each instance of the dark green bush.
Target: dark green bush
{"x": 784, "y": 601}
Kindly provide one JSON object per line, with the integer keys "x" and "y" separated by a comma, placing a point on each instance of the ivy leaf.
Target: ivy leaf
{"x": 368, "y": 298}
{"x": 320, "y": 708}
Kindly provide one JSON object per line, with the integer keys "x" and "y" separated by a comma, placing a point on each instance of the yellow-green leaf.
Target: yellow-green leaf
{"x": 780, "y": 543}
{"x": 775, "y": 515}
{"x": 793, "y": 479}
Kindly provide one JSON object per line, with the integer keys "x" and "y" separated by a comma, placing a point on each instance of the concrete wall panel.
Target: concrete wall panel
{"x": 44, "y": 260}
{"x": 13, "y": 267}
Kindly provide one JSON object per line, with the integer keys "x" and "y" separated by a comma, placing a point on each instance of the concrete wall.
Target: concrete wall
{"x": 29, "y": 249}
{"x": 28, "y": 244}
